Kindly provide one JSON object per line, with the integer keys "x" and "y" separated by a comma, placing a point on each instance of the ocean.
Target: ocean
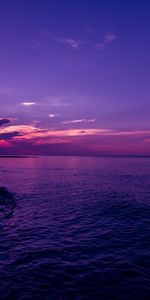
{"x": 74, "y": 228}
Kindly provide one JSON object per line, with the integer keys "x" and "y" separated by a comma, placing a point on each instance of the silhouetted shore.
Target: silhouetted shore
{"x": 17, "y": 156}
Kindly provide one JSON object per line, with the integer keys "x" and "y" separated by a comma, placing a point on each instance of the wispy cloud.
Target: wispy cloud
{"x": 72, "y": 43}
{"x": 30, "y": 132}
{"x": 108, "y": 38}
{"x": 28, "y": 103}
{"x": 59, "y": 101}
{"x": 69, "y": 41}
{"x": 53, "y": 115}
{"x": 32, "y": 140}
{"x": 46, "y": 37}
{"x": 79, "y": 121}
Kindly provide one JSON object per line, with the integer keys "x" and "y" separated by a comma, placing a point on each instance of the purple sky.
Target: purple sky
{"x": 74, "y": 77}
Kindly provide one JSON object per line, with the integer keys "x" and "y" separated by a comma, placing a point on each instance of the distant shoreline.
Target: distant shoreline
{"x": 17, "y": 156}
{"x": 98, "y": 156}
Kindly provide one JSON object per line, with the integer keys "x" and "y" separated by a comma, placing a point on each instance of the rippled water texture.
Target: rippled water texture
{"x": 75, "y": 228}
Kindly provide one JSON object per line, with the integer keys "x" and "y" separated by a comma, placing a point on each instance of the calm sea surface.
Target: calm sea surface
{"x": 75, "y": 228}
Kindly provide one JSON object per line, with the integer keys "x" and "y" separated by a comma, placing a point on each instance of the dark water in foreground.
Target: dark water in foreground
{"x": 75, "y": 228}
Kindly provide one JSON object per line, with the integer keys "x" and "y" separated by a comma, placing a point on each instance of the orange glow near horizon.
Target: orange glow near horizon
{"x": 93, "y": 139}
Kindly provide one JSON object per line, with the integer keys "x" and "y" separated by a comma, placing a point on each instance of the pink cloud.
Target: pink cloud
{"x": 80, "y": 141}
{"x": 4, "y": 143}
{"x": 30, "y": 131}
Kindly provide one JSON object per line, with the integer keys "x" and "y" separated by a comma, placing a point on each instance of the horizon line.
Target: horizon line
{"x": 71, "y": 155}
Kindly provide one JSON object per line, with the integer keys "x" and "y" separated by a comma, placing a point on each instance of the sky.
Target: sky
{"x": 74, "y": 77}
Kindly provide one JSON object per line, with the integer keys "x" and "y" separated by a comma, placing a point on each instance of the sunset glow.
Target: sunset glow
{"x": 76, "y": 82}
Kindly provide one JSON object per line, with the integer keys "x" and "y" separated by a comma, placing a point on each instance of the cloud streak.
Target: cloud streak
{"x": 29, "y": 132}
{"x": 109, "y": 38}
{"x": 53, "y": 115}
{"x": 73, "y": 43}
{"x": 92, "y": 141}
{"x": 79, "y": 121}
{"x": 68, "y": 41}
{"x": 28, "y": 103}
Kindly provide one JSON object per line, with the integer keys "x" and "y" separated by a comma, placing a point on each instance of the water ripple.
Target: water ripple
{"x": 75, "y": 233}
